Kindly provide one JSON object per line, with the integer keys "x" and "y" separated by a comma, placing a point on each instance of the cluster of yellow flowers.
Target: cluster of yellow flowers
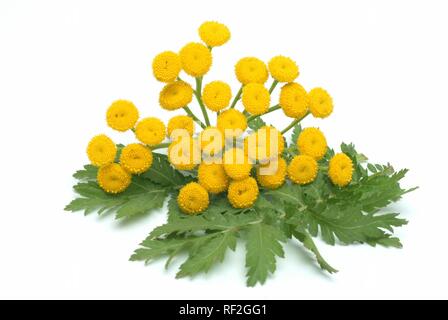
{"x": 226, "y": 156}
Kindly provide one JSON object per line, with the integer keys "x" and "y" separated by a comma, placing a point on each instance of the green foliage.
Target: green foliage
{"x": 256, "y": 124}
{"x": 353, "y": 214}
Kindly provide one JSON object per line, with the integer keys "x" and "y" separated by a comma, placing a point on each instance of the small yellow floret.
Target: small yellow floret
{"x": 101, "y": 150}
{"x": 294, "y": 100}
{"x": 184, "y": 154}
{"x": 216, "y": 95}
{"x": 150, "y": 131}
{"x": 256, "y": 98}
{"x": 175, "y": 95}
{"x": 275, "y": 173}
{"x": 321, "y": 103}
{"x": 232, "y": 123}
{"x": 251, "y": 70}
{"x": 312, "y": 142}
{"x": 166, "y": 66}
{"x": 236, "y": 164}
{"x": 196, "y": 59}
{"x": 122, "y": 115}
{"x": 193, "y": 198}
{"x": 265, "y": 144}
{"x": 283, "y": 69}
{"x": 213, "y": 177}
{"x": 214, "y": 34}
{"x": 243, "y": 193}
{"x": 113, "y": 178}
{"x": 180, "y": 123}
{"x": 302, "y": 169}
{"x": 340, "y": 169}
{"x": 136, "y": 158}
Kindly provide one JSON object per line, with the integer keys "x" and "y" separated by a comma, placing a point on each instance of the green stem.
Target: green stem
{"x": 198, "y": 93}
{"x": 276, "y": 107}
{"x": 237, "y": 97}
{"x": 196, "y": 119}
{"x": 160, "y": 146}
{"x": 274, "y": 84}
{"x": 292, "y": 124}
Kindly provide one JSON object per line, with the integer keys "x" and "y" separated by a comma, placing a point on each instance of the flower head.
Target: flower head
{"x": 180, "y": 123}
{"x": 216, "y": 95}
{"x": 184, "y": 153}
{"x": 232, "y": 122}
{"x": 122, "y": 115}
{"x": 321, "y": 103}
{"x": 294, "y": 100}
{"x": 175, "y": 95}
{"x": 250, "y": 69}
{"x": 302, "y": 169}
{"x": 113, "y": 178}
{"x": 196, "y": 59}
{"x": 265, "y": 144}
{"x": 101, "y": 150}
{"x": 274, "y": 179}
{"x": 236, "y": 164}
{"x": 283, "y": 69}
{"x": 166, "y": 66}
{"x": 214, "y": 34}
{"x": 340, "y": 169}
{"x": 136, "y": 158}
{"x": 213, "y": 177}
{"x": 312, "y": 142}
{"x": 256, "y": 98}
{"x": 193, "y": 198}
{"x": 243, "y": 193}
{"x": 150, "y": 131}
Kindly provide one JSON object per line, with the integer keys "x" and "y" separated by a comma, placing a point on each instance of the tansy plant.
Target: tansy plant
{"x": 238, "y": 177}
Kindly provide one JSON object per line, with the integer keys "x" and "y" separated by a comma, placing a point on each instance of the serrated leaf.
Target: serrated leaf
{"x": 262, "y": 247}
{"x": 350, "y": 225}
{"x": 152, "y": 198}
{"x": 88, "y": 173}
{"x": 161, "y": 172}
{"x": 291, "y": 194}
{"x": 208, "y": 254}
{"x": 297, "y": 129}
{"x": 153, "y": 249}
{"x": 303, "y": 236}
{"x": 256, "y": 124}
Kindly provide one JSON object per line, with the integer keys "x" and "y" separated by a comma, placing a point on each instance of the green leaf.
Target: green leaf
{"x": 291, "y": 194}
{"x": 141, "y": 197}
{"x": 209, "y": 253}
{"x": 256, "y": 124}
{"x": 162, "y": 173}
{"x": 153, "y": 249}
{"x": 303, "y": 236}
{"x": 262, "y": 246}
{"x": 297, "y": 129}
{"x": 88, "y": 173}
{"x": 350, "y": 225}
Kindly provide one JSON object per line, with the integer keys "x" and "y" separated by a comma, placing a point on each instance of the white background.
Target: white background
{"x": 63, "y": 62}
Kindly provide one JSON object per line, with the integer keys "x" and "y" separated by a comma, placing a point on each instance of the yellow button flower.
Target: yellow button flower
{"x": 256, "y": 98}
{"x": 294, "y": 100}
{"x": 180, "y": 123}
{"x": 243, "y": 193}
{"x": 251, "y": 70}
{"x": 166, "y": 66}
{"x": 267, "y": 143}
{"x": 321, "y": 103}
{"x": 312, "y": 142}
{"x": 236, "y": 164}
{"x": 175, "y": 95}
{"x": 302, "y": 169}
{"x": 150, "y": 131}
{"x": 184, "y": 154}
{"x": 214, "y": 34}
{"x": 340, "y": 169}
{"x": 283, "y": 69}
{"x": 136, "y": 158}
{"x": 213, "y": 177}
{"x": 101, "y": 150}
{"x": 232, "y": 123}
{"x": 122, "y": 115}
{"x": 113, "y": 178}
{"x": 216, "y": 95}
{"x": 272, "y": 175}
{"x": 196, "y": 59}
{"x": 193, "y": 198}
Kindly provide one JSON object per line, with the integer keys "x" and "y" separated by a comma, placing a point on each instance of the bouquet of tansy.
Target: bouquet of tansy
{"x": 238, "y": 177}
